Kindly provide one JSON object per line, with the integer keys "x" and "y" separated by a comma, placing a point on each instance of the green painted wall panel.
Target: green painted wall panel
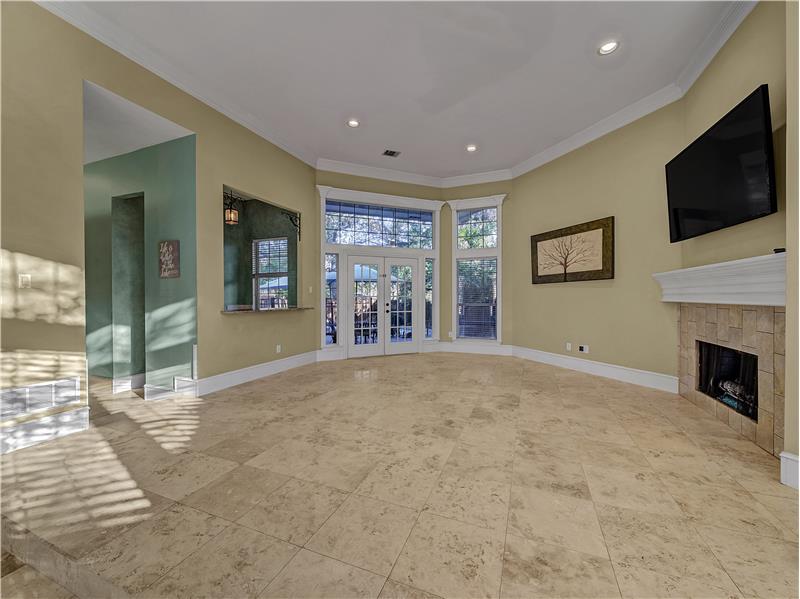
{"x": 165, "y": 175}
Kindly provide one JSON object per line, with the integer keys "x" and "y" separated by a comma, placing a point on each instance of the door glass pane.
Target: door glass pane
{"x": 428, "y": 298}
{"x": 401, "y": 293}
{"x": 477, "y": 298}
{"x": 331, "y": 297}
{"x": 365, "y": 304}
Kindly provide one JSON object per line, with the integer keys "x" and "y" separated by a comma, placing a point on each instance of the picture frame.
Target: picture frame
{"x": 583, "y": 252}
{"x": 169, "y": 259}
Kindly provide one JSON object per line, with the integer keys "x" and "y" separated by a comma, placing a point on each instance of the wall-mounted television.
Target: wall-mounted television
{"x": 727, "y": 175}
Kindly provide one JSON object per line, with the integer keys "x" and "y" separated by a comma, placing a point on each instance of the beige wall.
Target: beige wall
{"x": 44, "y": 61}
{"x": 623, "y": 319}
{"x": 755, "y": 54}
{"x": 792, "y": 230}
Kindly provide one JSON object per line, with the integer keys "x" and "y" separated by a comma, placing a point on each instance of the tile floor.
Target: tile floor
{"x": 412, "y": 476}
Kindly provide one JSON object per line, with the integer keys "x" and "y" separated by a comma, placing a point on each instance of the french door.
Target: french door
{"x": 382, "y": 306}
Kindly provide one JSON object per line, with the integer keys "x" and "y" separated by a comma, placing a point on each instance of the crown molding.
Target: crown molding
{"x": 109, "y": 34}
{"x": 388, "y": 174}
{"x": 376, "y": 172}
{"x": 88, "y": 21}
{"x": 487, "y": 177}
{"x": 716, "y": 38}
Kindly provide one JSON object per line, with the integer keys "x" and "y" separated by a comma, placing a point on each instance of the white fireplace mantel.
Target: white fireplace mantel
{"x": 759, "y": 281}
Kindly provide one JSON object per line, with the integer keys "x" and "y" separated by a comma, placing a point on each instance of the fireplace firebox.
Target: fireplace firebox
{"x": 729, "y": 376}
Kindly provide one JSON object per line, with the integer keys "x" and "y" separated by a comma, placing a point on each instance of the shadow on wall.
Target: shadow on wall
{"x": 43, "y": 321}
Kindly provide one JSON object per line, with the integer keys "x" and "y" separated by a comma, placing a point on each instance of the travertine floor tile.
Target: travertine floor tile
{"x": 186, "y": 475}
{"x": 238, "y": 562}
{"x": 310, "y": 575}
{"x": 640, "y": 490}
{"x": 138, "y": 558}
{"x": 395, "y": 590}
{"x": 665, "y": 544}
{"x": 784, "y": 509}
{"x": 365, "y": 532}
{"x": 726, "y": 508}
{"x": 555, "y": 518}
{"x": 480, "y": 445}
{"x": 474, "y": 501}
{"x": 479, "y": 462}
{"x": 405, "y": 481}
{"x": 451, "y": 559}
{"x": 639, "y": 582}
{"x": 234, "y": 493}
{"x": 295, "y": 511}
{"x": 532, "y": 569}
{"x": 759, "y": 566}
{"x": 27, "y": 583}
{"x": 555, "y": 476}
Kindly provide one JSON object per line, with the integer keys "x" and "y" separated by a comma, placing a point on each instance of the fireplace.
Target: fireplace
{"x": 730, "y": 376}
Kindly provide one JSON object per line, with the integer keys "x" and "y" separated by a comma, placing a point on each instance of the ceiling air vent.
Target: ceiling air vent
{"x": 391, "y": 153}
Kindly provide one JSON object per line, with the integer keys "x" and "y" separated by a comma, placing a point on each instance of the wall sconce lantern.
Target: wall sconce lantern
{"x": 231, "y": 211}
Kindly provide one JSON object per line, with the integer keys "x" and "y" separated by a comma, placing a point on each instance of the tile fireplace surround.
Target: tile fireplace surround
{"x": 752, "y": 329}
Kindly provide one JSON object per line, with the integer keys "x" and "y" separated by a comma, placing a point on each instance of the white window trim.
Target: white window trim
{"x": 495, "y": 201}
{"x": 344, "y": 251}
{"x": 256, "y": 275}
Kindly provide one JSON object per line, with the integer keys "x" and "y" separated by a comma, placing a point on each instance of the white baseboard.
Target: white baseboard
{"x": 789, "y": 475}
{"x": 243, "y": 375}
{"x": 643, "y": 378}
{"x": 121, "y": 384}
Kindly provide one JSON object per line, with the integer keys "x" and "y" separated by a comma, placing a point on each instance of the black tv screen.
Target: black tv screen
{"x": 727, "y": 175}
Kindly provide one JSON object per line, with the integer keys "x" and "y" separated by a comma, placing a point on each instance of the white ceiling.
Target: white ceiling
{"x": 113, "y": 125}
{"x": 522, "y": 80}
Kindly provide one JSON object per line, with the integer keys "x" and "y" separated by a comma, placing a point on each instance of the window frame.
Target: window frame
{"x": 257, "y": 276}
{"x": 495, "y": 201}
{"x": 334, "y": 351}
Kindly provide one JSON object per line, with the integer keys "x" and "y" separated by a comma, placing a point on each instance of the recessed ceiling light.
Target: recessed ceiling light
{"x": 353, "y": 123}
{"x": 472, "y": 148}
{"x": 608, "y": 47}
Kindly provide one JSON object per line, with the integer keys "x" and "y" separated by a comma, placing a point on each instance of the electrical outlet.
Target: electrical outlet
{"x": 584, "y": 349}
{"x": 450, "y": 334}
{"x": 278, "y": 348}
{"x": 569, "y": 346}
{"x": 24, "y": 281}
{"x": 310, "y": 289}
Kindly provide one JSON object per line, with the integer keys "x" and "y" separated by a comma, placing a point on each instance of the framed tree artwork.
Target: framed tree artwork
{"x": 582, "y": 252}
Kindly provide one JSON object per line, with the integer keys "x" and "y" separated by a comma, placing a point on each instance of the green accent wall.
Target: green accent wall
{"x": 257, "y": 220}
{"x": 127, "y": 285}
{"x": 164, "y": 176}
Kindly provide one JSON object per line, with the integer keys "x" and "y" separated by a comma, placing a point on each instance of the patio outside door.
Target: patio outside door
{"x": 382, "y": 306}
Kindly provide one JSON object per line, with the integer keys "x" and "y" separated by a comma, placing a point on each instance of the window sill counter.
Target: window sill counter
{"x": 297, "y": 309}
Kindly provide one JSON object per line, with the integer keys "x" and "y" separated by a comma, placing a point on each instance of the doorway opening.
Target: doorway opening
{"x": 127, "y": 293}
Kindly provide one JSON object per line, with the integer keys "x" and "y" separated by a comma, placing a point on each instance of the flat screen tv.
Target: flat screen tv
{"x": 727, "y": 175}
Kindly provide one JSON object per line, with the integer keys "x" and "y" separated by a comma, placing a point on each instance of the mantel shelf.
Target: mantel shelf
{"x": 296, "y": 309}
{"x": 758, "y": 281}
